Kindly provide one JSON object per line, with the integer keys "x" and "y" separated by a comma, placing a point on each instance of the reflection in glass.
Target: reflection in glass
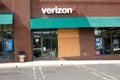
{"x": 6, "y": 42}
{"x": 107, "y": 40}
{"x": 46, "y": 46}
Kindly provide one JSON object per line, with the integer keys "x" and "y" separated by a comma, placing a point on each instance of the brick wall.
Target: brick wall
{"x": 79, "y": 0}
{"x": 83, "y": 7}
{"x": 87, "y": 42}
{"x": 5, "y": 5}
{"x": 22, "y": 30}
{"x": 68, "y": 42}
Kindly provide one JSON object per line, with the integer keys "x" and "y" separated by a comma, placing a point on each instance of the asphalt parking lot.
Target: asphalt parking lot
{"x": 74, "y": 72}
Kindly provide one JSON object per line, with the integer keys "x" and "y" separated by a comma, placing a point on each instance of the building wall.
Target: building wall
{"x": 68, "y": 43}
{"x": 71, "y": 42}
{"x": 6, "y": 6}
{"x": 87, "y": 42}
{"x": 86, "y": 36}
{"x": 22, "y": 32}
{"x": 22, "y": 29}
{"x": 79, "y": 1}
{"x": 82, "y": 7}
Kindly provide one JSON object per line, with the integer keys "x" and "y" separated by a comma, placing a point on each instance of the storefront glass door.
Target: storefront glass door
{"x": 44, "y": 44}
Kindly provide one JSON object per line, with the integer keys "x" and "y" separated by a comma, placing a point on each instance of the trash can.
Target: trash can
{"x": 22, "y": 56}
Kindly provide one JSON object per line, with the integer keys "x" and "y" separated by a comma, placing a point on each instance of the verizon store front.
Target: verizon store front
{"x": 52, "y": 29}
{"x": 75, "y": 30}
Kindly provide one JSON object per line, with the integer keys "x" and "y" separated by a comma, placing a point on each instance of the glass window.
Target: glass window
{"x": 107, "y": 40}
{"x": 45, "y": 44}
{"x": 6, "y": 42}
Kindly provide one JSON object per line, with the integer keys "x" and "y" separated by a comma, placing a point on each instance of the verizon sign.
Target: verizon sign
{"x": 57, "y": 10}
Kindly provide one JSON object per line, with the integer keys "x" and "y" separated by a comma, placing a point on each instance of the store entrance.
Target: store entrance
{"x": 44, "y": 44}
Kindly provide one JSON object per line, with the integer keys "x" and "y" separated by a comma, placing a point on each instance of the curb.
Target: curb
{"x": 57, "y": 63}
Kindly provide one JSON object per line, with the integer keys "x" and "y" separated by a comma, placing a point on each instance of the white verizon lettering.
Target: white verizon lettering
{"x": 57, "y": 10}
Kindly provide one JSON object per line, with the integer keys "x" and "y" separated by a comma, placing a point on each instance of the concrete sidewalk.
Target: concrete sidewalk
{"x": 56, "y": 63}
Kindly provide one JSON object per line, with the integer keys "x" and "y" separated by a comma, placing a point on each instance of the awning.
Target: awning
{"x": 77, "y": 22}
{"x": 6, "y": 18}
